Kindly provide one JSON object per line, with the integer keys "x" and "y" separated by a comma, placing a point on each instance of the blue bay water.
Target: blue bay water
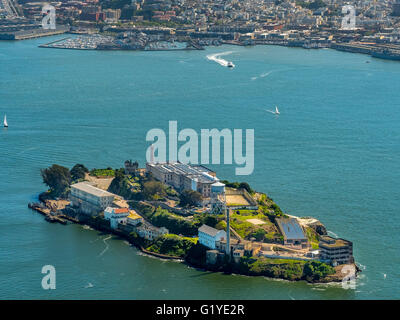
{"x": 333, "y": 153}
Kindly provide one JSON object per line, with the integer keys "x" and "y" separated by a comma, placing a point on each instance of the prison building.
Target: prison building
{"x": 89, "y": 199}
{"x": 184, "y": 177}
{"x": 336, "y": 251}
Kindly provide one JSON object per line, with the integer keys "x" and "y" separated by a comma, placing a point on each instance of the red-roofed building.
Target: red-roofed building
{"x": 116, "y": 215}
{"x": 121, "y": 210}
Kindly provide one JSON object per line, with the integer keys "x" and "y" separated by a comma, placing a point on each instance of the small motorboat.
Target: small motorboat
{"x": 277, "y": 110}
{"x": 230, "y": 64}
{"x": 5, "y": 122}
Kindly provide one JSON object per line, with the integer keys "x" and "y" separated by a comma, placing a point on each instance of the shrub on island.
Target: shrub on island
{"x": 172, "y": 245}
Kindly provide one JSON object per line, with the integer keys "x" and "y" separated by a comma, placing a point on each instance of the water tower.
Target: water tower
{"x": 218, "y": 199}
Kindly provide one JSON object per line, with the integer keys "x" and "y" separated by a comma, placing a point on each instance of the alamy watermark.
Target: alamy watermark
{"x": 349, "y": 280}
{"x": 49, "y": 280}
{"x": 188, "y": 153}
{"x": 49, "y": 20}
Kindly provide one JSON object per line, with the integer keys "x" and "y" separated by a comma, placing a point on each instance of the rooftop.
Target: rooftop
{"x": 121, "y": 210}
{"x": 208, "y": 230}
{"x": 290, "y": 228}
{"x": 88, "y": 188}
{"x": 133, "y": 215}
{"x": 329, "y": 242}
{"x": 199, "y": 173}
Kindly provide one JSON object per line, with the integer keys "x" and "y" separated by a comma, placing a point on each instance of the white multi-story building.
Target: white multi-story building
{"x": 208, "y": 236}
{"x": 116, "y": 215}
{"x": 150, "y": 232}
{"x": 336, "y": 251}
{"x": 89, "y": 199}
{"x": 123, "y": 216}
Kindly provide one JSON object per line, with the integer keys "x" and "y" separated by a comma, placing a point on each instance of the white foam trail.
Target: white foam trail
{"x": 262, "y": 75}
{"x": 273, "y": 112}
{"x": 362, "y": 266}
{"x": 89, "y": 285}
{"x": 265, "y": 74}
{"x": 107, "y": 246}
{"x": 217, "y": 58}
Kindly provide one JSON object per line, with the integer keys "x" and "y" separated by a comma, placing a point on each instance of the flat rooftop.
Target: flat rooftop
{"x": 88, "y": 188}
{"x": 291, "y": 229}
{"x": 195, "y": 172}
{"x": 329, "y": 242}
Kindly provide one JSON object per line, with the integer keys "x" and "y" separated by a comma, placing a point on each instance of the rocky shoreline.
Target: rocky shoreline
{"x": 56, "y": 211}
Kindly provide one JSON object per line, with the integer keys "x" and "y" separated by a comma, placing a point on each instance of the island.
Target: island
{"x": 184, "y": 212}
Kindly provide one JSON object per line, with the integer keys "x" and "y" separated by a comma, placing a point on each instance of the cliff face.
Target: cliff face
{"x": 319, "y": 228}
{"x": 342, "y": 272}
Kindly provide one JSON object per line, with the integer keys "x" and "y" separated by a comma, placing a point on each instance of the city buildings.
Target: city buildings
{"x": 396, "y": 9}
{"x": 89, "y": 199}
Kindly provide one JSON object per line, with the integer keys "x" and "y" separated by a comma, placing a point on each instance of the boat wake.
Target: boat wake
{"x": 217, "y": 58}
{"x": 107, "y": 246}
{"x": 263, "y": 75}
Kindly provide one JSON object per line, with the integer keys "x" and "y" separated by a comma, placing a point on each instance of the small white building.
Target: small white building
{"x": 116, "y": 215}
{"x": 150, "y": 232}
{"x": 208, "y": 236}
{"x": 133, "y": 219}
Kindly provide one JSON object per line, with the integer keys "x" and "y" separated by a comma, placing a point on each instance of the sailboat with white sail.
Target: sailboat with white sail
{"x": 5, "y": 122}
{"x": 276, "y": 112}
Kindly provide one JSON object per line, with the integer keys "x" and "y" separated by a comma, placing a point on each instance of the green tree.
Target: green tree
{"x": 259, "y": 234}
{"x": 190, "y": 198}
{"x": 57, "y": 177}
{"x": 153, "y": 190}
{"x": 308, "y": 269}
{"x": 211, "y": 221}
{"x": 78, "y": 171}
{"x": 317, "y": 269}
